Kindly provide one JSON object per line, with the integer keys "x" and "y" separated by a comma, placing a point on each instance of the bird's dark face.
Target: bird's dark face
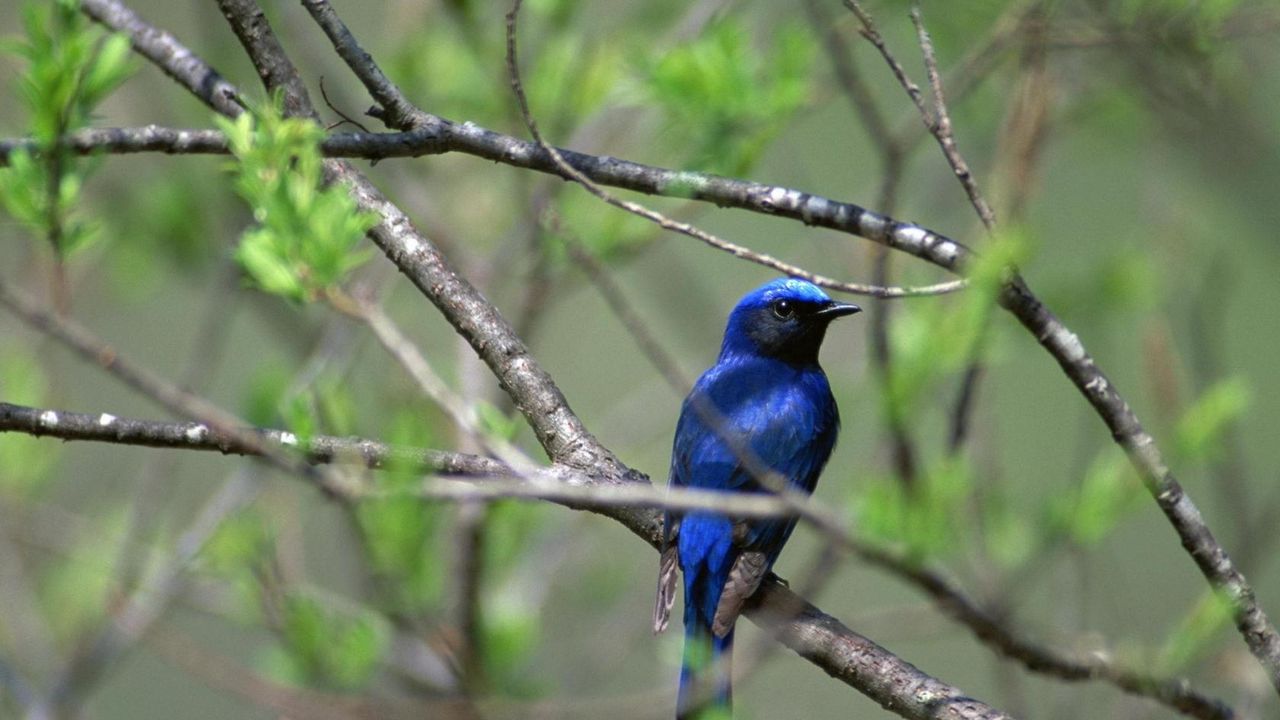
{"x": 785, "y": 318}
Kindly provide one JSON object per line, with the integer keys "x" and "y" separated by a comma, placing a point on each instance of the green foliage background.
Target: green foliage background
{"x": 1150, "y": 229}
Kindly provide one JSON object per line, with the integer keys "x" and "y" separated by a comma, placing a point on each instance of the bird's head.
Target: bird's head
{"x": 785, "y": 318}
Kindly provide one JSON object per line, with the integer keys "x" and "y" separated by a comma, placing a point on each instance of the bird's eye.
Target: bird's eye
{"x": 783, "y": 309}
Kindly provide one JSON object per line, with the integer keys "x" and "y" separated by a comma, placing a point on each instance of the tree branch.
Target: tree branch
{"x": 319, "y": 449}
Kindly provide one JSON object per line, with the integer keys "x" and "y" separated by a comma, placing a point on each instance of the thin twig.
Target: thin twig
{"x": 319, "y": 449}
{"x": 941, "y": 125}
{"x": 608, "y": 288}
{"x": 684, "y": 228}
{"x": 444, "y": 136}
{"x": 404, "y": 352}
{"x": 135, "y": 617}
{"x": 211, "y": 418}
{"x": 893, "y": 153}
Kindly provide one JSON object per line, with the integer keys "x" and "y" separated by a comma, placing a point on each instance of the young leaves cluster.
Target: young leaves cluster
{"x": 320, "y": 643}
{"x": 728, "y": 99}
{"x": 71, "y": 68}
{"x": 328, "y": 647}
{"x": 921, "y": 519}
{"x": 26, "y": 461}
{"x": 932, "y": 343}
{"x": 400, "y": 533}
{"x": 305, "y": 240}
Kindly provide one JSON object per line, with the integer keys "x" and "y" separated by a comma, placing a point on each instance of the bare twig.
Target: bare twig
{"x": 685, "y": 228}
{"x": 941, "y": 124}
{"x": 893, "y": 155}
{"x": 320, "y": 449}
{"x": 433, "y": 386}
{"x": 444, "y": 136}
{"x": 394, "y": 108}
{"x": 135, "y": 617}
{"x": 166, "y": 53}
{"x": 212, "y": 419}
{"x": 622, "y": 309}
{"x": 938, "y": 123}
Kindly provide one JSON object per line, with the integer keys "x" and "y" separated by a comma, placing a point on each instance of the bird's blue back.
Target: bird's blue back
{"x": 787, "y": 419}
{"x": 756, "y": 409}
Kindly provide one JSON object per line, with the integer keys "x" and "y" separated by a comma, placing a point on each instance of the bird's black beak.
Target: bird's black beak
{"x": 838, "y": 309}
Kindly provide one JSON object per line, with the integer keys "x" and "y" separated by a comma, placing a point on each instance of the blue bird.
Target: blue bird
{"x": 763, "y": 411}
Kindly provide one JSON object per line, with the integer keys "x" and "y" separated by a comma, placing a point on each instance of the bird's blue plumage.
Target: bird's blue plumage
{"x": 764, "y": 408}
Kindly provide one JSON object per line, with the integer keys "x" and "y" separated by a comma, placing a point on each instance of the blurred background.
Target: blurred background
{"x": 1128, "y": 147}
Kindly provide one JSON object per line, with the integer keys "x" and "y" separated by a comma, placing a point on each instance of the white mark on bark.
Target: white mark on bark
{"x": 288, "y": 438}
{"x": 911, "y": 236}
{"x": 105, "y": 419}
{"x": 1069, "y": 342}
{"x": 777, "y": 196}
{"x": 196, "y": 433}
{"x": 49, "y": 419}
{"x": 873, "y": 225}
{"x": 946, "y": 252}
{"x": 816, "y": 206}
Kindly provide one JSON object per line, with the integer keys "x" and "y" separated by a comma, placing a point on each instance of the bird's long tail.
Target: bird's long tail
{"x": 706, "y": 673}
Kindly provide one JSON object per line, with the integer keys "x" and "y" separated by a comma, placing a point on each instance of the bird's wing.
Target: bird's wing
{"x": 667, "y": 574}
{"x": 788, "y": 427}
{"x": 749, "y": 569}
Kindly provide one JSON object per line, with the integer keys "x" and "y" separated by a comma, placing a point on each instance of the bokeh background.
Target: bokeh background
{"x": 1143, "y": 210}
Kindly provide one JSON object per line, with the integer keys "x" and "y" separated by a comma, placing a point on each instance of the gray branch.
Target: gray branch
{"x": 105, "y": 427}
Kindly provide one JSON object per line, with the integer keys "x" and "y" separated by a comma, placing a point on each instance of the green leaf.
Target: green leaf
{"x": 26, "y": 460}
{"x": 329, "y": 647}
{"x": 725, "y": 99}
{"x": 110, "y": 68}
{"x": 401, "y": 531}
{"x": 920, "y": 517}
{"x": 267, "y": 388}
{"x": 1106, "y": 494}
{"x": 1191, "y": 639}
{"x": 70, "y": 68}
{"x": 495, "y": 423}
{"x": 1201, "y": 427}
{"x": 511, "y": 526}
{"x": 511, "y": 631}
{"x": 75, "y": 593}
{"x": 240, "y": 545}
{"x": 305, "y": 242}
{"x": 933, "y": 340}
